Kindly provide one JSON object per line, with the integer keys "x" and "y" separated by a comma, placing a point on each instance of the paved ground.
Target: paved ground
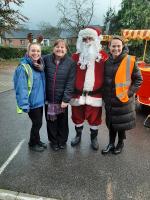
{"x": 6, "y": 76}
{"x": 74, "y": 173}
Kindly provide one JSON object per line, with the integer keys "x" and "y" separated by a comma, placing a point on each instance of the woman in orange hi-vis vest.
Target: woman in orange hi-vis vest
{"x": 122, "y": 79}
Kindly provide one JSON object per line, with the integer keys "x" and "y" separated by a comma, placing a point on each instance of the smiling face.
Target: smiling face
{"x": 34, "y": 52}
{"x": 116, "y": 47}
{"x": 60, "y": 49}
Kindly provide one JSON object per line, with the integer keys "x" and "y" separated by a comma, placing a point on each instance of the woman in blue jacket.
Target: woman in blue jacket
{"x": 29, "y": 84}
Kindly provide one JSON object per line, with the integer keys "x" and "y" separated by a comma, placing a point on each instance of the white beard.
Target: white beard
{"x": 88, "y": 55}
{"x": 87, "y": 58}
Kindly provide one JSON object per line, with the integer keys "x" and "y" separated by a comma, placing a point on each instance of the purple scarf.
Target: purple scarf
{"x": 54, "y": 110}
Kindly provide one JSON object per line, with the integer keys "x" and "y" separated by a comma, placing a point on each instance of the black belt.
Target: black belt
{"x": 90, "y": 93}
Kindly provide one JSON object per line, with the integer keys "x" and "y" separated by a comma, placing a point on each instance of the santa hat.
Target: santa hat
{"x": 90, "y": 32}
{"x": 93, "y": 32}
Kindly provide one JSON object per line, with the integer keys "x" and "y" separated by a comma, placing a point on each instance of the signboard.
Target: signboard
{"x": 136, "y": 34}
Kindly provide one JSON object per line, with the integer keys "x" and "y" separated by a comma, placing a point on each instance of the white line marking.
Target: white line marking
{"x": 7, "y": 194}
{"x": 11, "y": 157}
{"x": 109, "y": 190}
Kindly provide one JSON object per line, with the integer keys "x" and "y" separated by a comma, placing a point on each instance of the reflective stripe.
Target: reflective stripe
{"x": 128, "y": 68}
{"x": 123, "y": 78}
{"x": 128, "y": 80}
{"x": 28, "y": 71}
{"x": 122, "y": 94}
{"x": 19, "y": 110}
{"x": 30, "y": 78}
{"x": 127, "y": 83}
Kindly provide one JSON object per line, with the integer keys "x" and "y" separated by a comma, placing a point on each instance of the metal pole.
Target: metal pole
{"x": 145, "y": 50}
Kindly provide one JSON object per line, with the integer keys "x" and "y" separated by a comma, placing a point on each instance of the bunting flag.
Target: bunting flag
{"x": 136, "y": 34}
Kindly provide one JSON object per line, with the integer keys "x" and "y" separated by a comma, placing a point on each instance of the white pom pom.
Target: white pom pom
{"x": 82, "y": 100}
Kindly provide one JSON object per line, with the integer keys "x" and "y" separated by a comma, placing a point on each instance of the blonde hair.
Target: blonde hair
{"x": 30, "y": 44}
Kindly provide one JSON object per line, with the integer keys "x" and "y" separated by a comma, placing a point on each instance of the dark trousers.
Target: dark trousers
{"x": 36, "y": 116}
{"x": 113, "y": 134}
{"x": 58, "y": 130}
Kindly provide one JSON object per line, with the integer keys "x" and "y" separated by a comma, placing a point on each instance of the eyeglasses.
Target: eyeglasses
{"x": 87, "y": 39}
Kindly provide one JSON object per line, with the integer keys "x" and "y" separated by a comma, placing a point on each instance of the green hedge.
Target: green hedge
{"x": 9, "y": 52}
{"x": 136, "y": 48}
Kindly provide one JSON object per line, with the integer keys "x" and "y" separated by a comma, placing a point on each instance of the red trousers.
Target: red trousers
{"x": 86, "y": 112}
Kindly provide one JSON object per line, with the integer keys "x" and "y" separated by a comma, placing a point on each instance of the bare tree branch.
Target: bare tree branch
{"x": 76, "y": 14}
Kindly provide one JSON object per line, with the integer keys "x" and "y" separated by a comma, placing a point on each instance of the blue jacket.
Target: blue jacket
{"x": 37, "y": 96}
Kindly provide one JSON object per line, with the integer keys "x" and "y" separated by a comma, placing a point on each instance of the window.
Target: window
{"x": 22, "y": 42}
{"x": 10, "y": 43}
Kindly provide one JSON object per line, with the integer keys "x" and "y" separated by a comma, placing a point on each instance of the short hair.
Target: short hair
{"x": 117, "y": 37}
{"x": 59, "y": 41}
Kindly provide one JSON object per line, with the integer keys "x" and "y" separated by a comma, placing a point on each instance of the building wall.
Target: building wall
{"x": 21, "y": 43}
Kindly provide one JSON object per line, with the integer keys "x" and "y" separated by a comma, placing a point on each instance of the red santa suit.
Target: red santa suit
{"x": 87, "y": 99}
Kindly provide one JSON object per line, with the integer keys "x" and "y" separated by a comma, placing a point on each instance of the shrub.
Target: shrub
{"x": 8, "y": 52}
{"x": 137, "y": 48}
{"x": 46, "y": 50}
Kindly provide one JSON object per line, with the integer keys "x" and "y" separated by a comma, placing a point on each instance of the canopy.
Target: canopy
{"x": 136, "y": 34}
{"x": 106, "y": 38}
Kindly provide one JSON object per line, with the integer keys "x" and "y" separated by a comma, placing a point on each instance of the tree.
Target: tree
{"x": 76, "y": 14}
{"x": 109, "y": 21}
{"x": 10, "y": 18}
{"x": 49, "y": 31}
{"x": 135, "y": 14}
{"x": 132, "y": 15}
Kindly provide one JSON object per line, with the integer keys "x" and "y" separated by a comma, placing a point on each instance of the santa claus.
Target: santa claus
{"x": 87, "y": 99}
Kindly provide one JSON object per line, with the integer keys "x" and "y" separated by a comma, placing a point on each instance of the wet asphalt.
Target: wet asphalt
{"x": 77, "y": 173}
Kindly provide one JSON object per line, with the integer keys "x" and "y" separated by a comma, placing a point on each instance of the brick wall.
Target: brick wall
{"x": 21, "y": 43}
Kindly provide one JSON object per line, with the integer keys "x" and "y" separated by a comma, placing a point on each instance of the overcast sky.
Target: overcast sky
{"x": 46, "y": 11}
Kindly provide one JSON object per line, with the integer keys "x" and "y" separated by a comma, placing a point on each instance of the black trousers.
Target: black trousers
{"x": 58, "y": 130}
{"x": 36, "y": 116}
{"x": 113, "y": 134}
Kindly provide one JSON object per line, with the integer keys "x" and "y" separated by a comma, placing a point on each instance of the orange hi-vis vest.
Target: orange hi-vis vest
{"x": 123, "y": 77}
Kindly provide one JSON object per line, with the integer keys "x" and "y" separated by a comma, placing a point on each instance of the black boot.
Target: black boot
{"x": 110, "y": 147}
{"x": 119, "y": 148}
{"x": 120, "y": 145}
{"x": 94, "y": 142}
{"x": 75, "y": 141}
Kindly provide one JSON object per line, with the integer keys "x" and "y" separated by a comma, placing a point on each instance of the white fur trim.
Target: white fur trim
{"x": 89, "y": 77}
{"x": 88, "y": 100}
{"x": 74, "y": 102}
{"x": 93, "y": 101}
{"x": 79, "y": 125}
{"x": 82, "y": 100}
{"x": 94, "y": 127}
{"x": 88, "y": 32}
{"x": 91, "y": 33}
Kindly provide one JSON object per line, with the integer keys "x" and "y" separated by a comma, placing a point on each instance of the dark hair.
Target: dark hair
{"x": 59, "y": 41}
{"x": 117, "y": 37}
